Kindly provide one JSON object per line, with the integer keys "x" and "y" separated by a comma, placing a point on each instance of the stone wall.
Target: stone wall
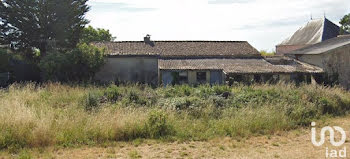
{"x": 129, "y": 69}
{"x": 336, "y": 63}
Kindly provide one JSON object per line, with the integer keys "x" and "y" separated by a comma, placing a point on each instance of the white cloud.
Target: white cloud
{"x": 264, "y": 23}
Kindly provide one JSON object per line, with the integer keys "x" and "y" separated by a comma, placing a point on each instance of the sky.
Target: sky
{"x": 263, "y": 23}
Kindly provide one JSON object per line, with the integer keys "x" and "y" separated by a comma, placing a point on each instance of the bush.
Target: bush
{"x": 92, "y": 101}
{"x": 112, "y": 93}
{"x": 158, "y": 125}
{"x": 181, "y": 103}
{"x": 302, "y": 114}
{"x": 221, "y": 89}
{"x": 13, "y": 140}
{"x": 178, "y": 91}
{"x": 78, "y": 64}
{"x": 219, "y": 102}
{"x": 136, "y": 98}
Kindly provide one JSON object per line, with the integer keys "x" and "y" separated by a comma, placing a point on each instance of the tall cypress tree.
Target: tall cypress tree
{"x": 28, "y": 24}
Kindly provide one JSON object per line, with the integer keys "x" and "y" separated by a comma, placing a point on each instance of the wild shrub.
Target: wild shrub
{"x": 182, "y": 103}
{"x": 185, "y": 90}
{"x": 158, "y": 124}
{"x": 327, "y": 106}
{"x": 92, "y": 101}
{"x": 221, "y": 89}
{"x": 135, "y": 97}
{"x": 219, "y": 102}
{"x": 178, "y": 91}
{"x": 132, "y": 130}
{"x": 204, "y": 91}
{"x": 12, "y": 140}
{"x": 112, "y": 93}
{"x": 302, "y": 114}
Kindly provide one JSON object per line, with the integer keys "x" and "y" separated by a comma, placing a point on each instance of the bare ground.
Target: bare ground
{"x": 293, "y": 144}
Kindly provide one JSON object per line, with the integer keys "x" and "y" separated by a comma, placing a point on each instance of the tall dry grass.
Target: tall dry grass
{"x": 66, "y": 115}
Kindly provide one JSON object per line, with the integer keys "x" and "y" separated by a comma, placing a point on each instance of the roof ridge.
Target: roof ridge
{"x": 179, "y": 41}
{"x": 181, "y": 48}
{"x": 323, "y": 27}
{"x": 345, "y": 40}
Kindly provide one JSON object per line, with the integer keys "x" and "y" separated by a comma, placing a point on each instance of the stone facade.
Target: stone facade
{"x": 134, "y": 69}
{"x": 336, "y": 63}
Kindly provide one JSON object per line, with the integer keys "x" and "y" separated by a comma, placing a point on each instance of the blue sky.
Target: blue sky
{"x": 263, "y": 23}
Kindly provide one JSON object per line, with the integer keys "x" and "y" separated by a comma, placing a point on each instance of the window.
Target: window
{"x": 267, "y": 78}
{"x": 235, "y": 78}
{"x": 238, "y": 78}
{"x": 257, "y": 78}
{"x": 308, "y": 79}
{"x": 275, "y": 78}
{"x": 300, "y": 78}
{"x": 201, "y": 77}
{"x": 179, "y": 77}
{"x": 183, "y": 77}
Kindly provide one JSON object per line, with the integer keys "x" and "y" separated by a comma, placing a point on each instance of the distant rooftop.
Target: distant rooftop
{"x": 313, "y": 32}
{"x": 324, "y": 46}
{"x": 180, "y": 48}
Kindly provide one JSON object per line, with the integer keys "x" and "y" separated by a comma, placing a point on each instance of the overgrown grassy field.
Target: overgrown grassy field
{"x": 67, "y": 115}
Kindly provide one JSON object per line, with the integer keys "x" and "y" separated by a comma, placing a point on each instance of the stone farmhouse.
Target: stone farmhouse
{"x": 315, "y": 53}
{"x": 197, "y": 62}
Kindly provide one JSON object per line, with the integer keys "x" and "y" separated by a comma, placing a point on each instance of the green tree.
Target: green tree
{"x": 77, "y": 64}
{"x": 267, "y": 53}
{"x": 42, "y": 24}
{"x": 345, "y": 24}
{"x": 4, "y": 60}
{"x": 91, "y": 34}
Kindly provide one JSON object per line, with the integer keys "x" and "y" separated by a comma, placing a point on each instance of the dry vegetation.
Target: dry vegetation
{"x": 56, "y": 115}
{"x": 293, "y": 144}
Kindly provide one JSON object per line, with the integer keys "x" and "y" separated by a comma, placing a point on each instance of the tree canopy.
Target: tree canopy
{"x": 267, "y": 53}
{"x": 30, "y": 24}
{"x": 91, "y": 34}
{"x": 4, "y": 60}
{"x": 78, "y": 64}
{"x": 345, "y": 24}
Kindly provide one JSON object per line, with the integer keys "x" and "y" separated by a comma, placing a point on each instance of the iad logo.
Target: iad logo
{"x": 331, "y": 135}
{"x": 330, "y": 153}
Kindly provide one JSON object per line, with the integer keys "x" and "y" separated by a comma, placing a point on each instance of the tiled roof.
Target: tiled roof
{"x": 180, "y": 48}
{"x": 324, "y": 46}
{"x": 313, "y": 32}
{"x": 234, "y": 65}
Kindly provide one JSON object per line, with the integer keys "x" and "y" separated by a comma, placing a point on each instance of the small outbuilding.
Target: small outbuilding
{"x": 230, "y": 70}
{"x": 332, "y": 55}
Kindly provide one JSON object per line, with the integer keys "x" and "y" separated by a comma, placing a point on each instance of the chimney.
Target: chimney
{"x": 147, "y": 39}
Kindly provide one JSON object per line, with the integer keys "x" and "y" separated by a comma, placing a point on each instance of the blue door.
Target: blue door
{"x": 215, "y": 77}
{"x": 167, "y": 78}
